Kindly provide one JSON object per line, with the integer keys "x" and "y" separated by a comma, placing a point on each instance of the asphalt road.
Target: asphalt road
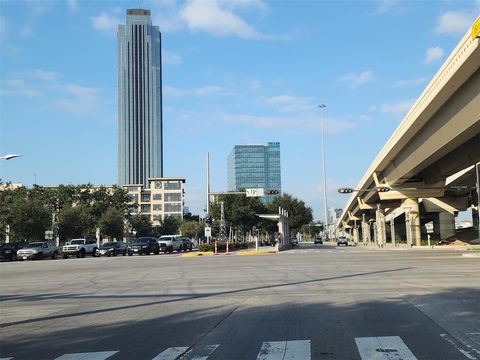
{"x": 313, "y": 302}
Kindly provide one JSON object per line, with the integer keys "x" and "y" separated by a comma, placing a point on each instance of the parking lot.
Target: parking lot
{"x": 316, "y": 301}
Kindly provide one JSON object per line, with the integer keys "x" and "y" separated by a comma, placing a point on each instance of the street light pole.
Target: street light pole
{"x": 477, "y": 165}
{"x": 325, "y": 210}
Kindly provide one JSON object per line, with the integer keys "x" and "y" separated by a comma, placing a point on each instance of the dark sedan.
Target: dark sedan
{"x": 112, "y": 249}
{"x": 8, "y": 251}
{"x": 144, "y": 246}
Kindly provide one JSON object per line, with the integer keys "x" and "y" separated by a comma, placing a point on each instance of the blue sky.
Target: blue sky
{"x": 234, "y": 72}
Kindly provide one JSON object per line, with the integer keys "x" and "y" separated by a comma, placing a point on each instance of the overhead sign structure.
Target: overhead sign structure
{"x": 254, "y": 192}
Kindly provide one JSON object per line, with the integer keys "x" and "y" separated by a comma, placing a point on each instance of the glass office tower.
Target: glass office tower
{"x": 140, "y": 143}
{"x": 255, "y": 166}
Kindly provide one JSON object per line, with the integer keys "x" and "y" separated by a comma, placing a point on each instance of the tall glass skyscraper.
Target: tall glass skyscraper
{"x": 255, "y": 166}
{"x": 140, "y": 142}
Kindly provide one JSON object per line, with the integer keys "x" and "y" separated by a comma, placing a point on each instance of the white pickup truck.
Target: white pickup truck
{"x": 168, "y": 243}
{"x": 79, "y": 248}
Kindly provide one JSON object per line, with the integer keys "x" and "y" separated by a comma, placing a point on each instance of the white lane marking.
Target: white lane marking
{"x": 456, "y": 345}
{"x": 102, "y": 355}
{"x": 171, "y": 353}
{"x": 383, "y": 348}
{"x": 199, "y": 353}
{"x": 6, "y": 358}
{"x": 285, "y": 350}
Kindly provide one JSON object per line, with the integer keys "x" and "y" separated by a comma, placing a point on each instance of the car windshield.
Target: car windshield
{"x": 35, "y": 244}
{"x": 79, "y": 241}
{"x": 141, "y": 240}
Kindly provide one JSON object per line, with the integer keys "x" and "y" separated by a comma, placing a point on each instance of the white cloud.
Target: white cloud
{"x": 357, "y": 79}
{"x": 397, "y": 109}
{"x": 384, "y": 6}
{"x": 285, "y": 123}
{"x": 171, "y": 58}
{"x": 433, "y": 53}
{"x": 208, "y": 16}
{"x": 26, "y": 31}
{"x": 105, "y": 21}
{"x": 20, "y": 87}
{"x": 288, "y": 103}
{"x": 407, "y": 82}
{"x": 454, "y": 22}
{"x": 72, "y": 5}
{"x": 173, "y": 91}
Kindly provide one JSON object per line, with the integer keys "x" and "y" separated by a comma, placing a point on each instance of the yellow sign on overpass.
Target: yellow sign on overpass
{"x": 476, "y": 29}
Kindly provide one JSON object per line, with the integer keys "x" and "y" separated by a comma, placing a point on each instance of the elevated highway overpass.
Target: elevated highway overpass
{"x": 428, "y": 162}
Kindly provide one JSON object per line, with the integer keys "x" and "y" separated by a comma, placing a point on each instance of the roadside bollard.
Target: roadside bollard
{"x": 226, "y": 250}
{"x": 216, "y": 248}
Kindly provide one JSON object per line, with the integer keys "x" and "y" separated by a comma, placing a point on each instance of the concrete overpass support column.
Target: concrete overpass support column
{"x": 365, "y": 232}
{"x": 381, "y": 233}
{"x": 392, "y": 231}
{"x": 412, "y": 221}
{"x": 355, "y": 233}
{"x": 447, "y": 224}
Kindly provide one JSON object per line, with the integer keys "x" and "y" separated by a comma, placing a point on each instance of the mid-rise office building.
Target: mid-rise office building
{"x": 255, "y": 166}
{"x": 140, "y": 143}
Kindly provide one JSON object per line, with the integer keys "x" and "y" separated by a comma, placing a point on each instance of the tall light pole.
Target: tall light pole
{"x": 325, "y": 211}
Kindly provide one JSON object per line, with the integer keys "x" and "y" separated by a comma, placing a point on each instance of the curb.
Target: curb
{"x": 199, "y": 253}
{"x": 256, "y": 252}
{"x": 470, "y": 255}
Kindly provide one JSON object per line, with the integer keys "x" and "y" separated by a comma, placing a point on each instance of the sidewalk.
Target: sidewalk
{"x": 389, "y": 246}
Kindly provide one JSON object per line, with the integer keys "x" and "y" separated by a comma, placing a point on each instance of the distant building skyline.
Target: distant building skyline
{"x": 140, "y": 124}
{"x": 255, "y": 166}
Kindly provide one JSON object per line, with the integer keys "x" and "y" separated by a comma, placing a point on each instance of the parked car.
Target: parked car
{"x": 187, "y": 244}
{"x": 8, "y": 251}
{"x": 112, "y": 249}
{"x": 318, "y": 240}
{"x": 294, "y": 241}
{"x": 37, "y": 250}
{"x": 168, "y": 243}
{"x": 342, "y": 240}
{"x": 143, "y": 246}
{"x": 80, "y": 248}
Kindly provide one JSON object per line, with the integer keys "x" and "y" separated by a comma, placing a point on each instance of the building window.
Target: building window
{"x": 133, "y": 198}
{"x": 172, "y": 185}
{"x": 145, "y": 208}
{"x": 173, "y": 207}
{"x": 132, "y": 209}
{"x": 157, "y": 196}
{"x": 157, "y": 217}
{"x": 173, "y": 197}
{"x": 146, "y": 197}
{"x": 157, "y": 207}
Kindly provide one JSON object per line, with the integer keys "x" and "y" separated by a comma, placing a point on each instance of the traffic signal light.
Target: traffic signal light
{"x": 271, "y": 192}
{"x": 345, "y": 190}
{"x": 382, "y": 189}
{"x": 208, "y": 220}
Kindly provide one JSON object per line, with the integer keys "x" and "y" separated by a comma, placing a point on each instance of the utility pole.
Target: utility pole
{"x": 208, "y": 229}
{"x": 223, "y": 229}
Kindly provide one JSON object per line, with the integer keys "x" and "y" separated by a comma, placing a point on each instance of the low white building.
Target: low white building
{"x": 164, "y": 197}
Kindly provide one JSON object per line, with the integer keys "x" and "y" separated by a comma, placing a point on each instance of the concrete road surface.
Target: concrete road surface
{"x": 313, "y": 302}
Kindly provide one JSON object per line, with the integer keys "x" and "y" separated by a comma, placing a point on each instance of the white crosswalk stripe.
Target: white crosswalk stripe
{"x": 199, "y": 353}
{"x": 171, "y": 353}
{"x": 383, "y": 348}
{"x": 102, "y": 355}
{"x": 285, "y": 350}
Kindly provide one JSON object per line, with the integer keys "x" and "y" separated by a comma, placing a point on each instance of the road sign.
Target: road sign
{"x": 254, "y": 192}
{"x": 208, "y": 231}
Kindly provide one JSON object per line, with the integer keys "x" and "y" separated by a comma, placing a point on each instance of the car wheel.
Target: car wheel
{"x": 94, "y": 252}
{"x": 39, "y": 256}
{"x": 130, "y": 254}
{"x": 54, "y": 255}
{"x": 114, "y": 252}
{"x": 338, "y": 244}
{"x": 65, "y": 256}
{"x": 82, "y": 253}
{"x": 125, "y": 253}
{"x": 156, "y": 252}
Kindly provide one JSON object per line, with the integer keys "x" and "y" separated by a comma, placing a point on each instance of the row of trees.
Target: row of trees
{"x": 72, "y": 211}
{"x": 78, "y": 211}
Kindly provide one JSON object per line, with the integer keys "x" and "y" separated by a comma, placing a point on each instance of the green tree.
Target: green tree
{"x": 74, "y": 222}
{"x": 111, "y": 223}
{"x": 29, "y": 218}
{"x": 170, "y": 226}
{"x": 298, "y": 213}
{"x": 141, "y": 224}
{"x": 192, "y": 229}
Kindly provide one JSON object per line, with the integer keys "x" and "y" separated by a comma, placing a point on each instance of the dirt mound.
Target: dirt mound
{"x": 462, "y": 237}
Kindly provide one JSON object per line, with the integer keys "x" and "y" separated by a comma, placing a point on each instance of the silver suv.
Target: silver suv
{"x": 168, "y": 243}
{"x": 342, "y": 240}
